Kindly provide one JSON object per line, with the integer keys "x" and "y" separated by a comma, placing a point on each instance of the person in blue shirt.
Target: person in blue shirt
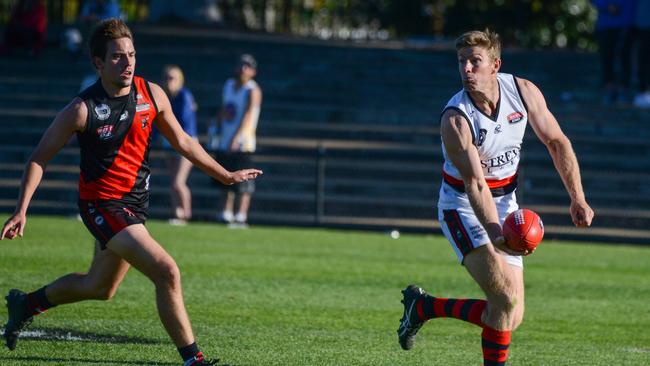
{"x": 184, "y": 108}
{"x": 614, "y": 32}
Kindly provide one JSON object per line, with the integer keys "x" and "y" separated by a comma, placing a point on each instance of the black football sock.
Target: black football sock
{"x": 37, "y": 302}
{"x": 190, "y": 353}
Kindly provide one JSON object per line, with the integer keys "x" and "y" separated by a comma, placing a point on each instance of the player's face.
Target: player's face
{"x": 477, "y": 68}
{"x": 118, "y": 65}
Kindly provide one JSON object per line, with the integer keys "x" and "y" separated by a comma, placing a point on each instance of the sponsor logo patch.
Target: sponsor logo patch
{"x": 105, "y": 132}
{"x": 124, "y": 115}
{"x": 144, "y": 122}
{"x": 103, "y": 112}
{"x": 142, "y": 107}
{"x": 515, "y": 117}
{"x": 497, "y": 129}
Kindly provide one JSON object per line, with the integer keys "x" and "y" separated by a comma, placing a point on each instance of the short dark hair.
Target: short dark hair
{"x": 104, "y": 32}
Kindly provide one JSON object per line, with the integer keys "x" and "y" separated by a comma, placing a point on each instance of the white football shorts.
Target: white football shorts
{"x": 462, "y": 228}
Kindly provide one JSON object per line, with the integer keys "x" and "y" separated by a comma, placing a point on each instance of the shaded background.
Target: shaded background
{"x": 348, "y": 134}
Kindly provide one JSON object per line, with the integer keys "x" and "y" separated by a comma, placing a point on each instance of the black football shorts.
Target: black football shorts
{"x": 105, "y": 218}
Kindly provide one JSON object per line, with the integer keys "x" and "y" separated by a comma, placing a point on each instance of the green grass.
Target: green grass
{"x": 284, "y": 296}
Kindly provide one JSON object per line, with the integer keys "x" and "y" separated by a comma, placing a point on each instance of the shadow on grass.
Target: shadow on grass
{"x": 71, "y": 360}
{"x": 58, "y": 334}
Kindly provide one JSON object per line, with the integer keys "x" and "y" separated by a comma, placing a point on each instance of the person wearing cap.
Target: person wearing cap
{"x": 234, "y": 137}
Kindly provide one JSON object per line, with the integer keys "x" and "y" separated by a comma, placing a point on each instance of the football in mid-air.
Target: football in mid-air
{"x": 523, "y": 230}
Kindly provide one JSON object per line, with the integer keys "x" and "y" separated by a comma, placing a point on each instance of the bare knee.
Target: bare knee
{"x": 105, "y": 292}
{"x": 101, "y": 290}
{"x": 504, "y": 301}
{"x": 179, "y": 186}
{"x": 518, "y": 317}
{"x": 507, "y": 307}
{"x": 167, "y": 275}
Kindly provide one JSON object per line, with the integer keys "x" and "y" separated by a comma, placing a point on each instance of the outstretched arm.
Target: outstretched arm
{"x": 70, "y": 120}
{"x": 189, "y": 147}
{"x": 564, "y": 158}
{"x": 457, "y": 139}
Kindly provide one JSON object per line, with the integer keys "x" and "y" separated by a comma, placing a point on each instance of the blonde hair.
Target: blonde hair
{"x": 485, "y": 39}
{"x": 167, "y": 69}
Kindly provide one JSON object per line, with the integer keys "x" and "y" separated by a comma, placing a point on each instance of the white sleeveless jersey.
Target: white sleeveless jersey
{"x": 498, "y": 140}
{"x": 235, "y": 101}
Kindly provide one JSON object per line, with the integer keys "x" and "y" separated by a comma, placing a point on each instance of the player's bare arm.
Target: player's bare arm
{"x": 254, "y": 103}
{"x": 189, "y": 147}
{"x": 457, "y": 139}
{"x": 549, "y": 132}
{"x": 68, "y": 121}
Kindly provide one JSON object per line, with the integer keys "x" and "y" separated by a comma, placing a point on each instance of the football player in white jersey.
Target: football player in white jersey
{"x": 482, "y": 128}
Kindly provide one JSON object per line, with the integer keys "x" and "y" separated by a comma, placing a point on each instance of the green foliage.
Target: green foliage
{"x": 528, "y": 23}
{"x": 281, "y": 296}
{"x": 525, "y": 23}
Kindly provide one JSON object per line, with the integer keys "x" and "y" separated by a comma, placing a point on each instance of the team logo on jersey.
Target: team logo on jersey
{"x": 138, "y": 96}
{"x": 103, "y": 112}
{"x": 124, "y": 115}
{"x": 144, "y": 122}
{"x": 515, "y": 117}
{"x": 142, "y": 107}
{"x": 497, "y": 129}
{"x": 105, "y": 132}
{"x": 481, "y": 136}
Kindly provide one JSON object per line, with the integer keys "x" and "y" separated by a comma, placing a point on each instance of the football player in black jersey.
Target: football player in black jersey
{"x": 112, "y": 120}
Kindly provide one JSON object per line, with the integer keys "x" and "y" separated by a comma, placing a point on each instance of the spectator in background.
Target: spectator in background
{"x": 184, "y": 108}
{"x": 26, "y": 27}
{"x": 614, "y": 31}
{"x": 185, "y": 11}
{"x": 92, "y": 12}
{"x": 235, "y": 141}
{"x": 642, "y": 99}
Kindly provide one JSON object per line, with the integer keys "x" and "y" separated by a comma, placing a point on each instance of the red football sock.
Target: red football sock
{"x": 495, "y": 346}
{"x": 469, "y": 310}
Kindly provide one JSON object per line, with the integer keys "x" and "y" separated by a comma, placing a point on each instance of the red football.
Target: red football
{"x": 523, "y": 229}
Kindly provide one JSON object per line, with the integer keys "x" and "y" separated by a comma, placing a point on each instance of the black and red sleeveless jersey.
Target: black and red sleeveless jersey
{"x": 115, "y": 144}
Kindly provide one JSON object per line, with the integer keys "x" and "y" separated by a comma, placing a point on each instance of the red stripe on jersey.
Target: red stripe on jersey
{"x": 492, "y": 183}
{"x": 120, "y": 178}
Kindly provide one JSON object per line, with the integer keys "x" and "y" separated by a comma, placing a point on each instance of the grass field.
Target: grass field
{"x": 286, "y": 296}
